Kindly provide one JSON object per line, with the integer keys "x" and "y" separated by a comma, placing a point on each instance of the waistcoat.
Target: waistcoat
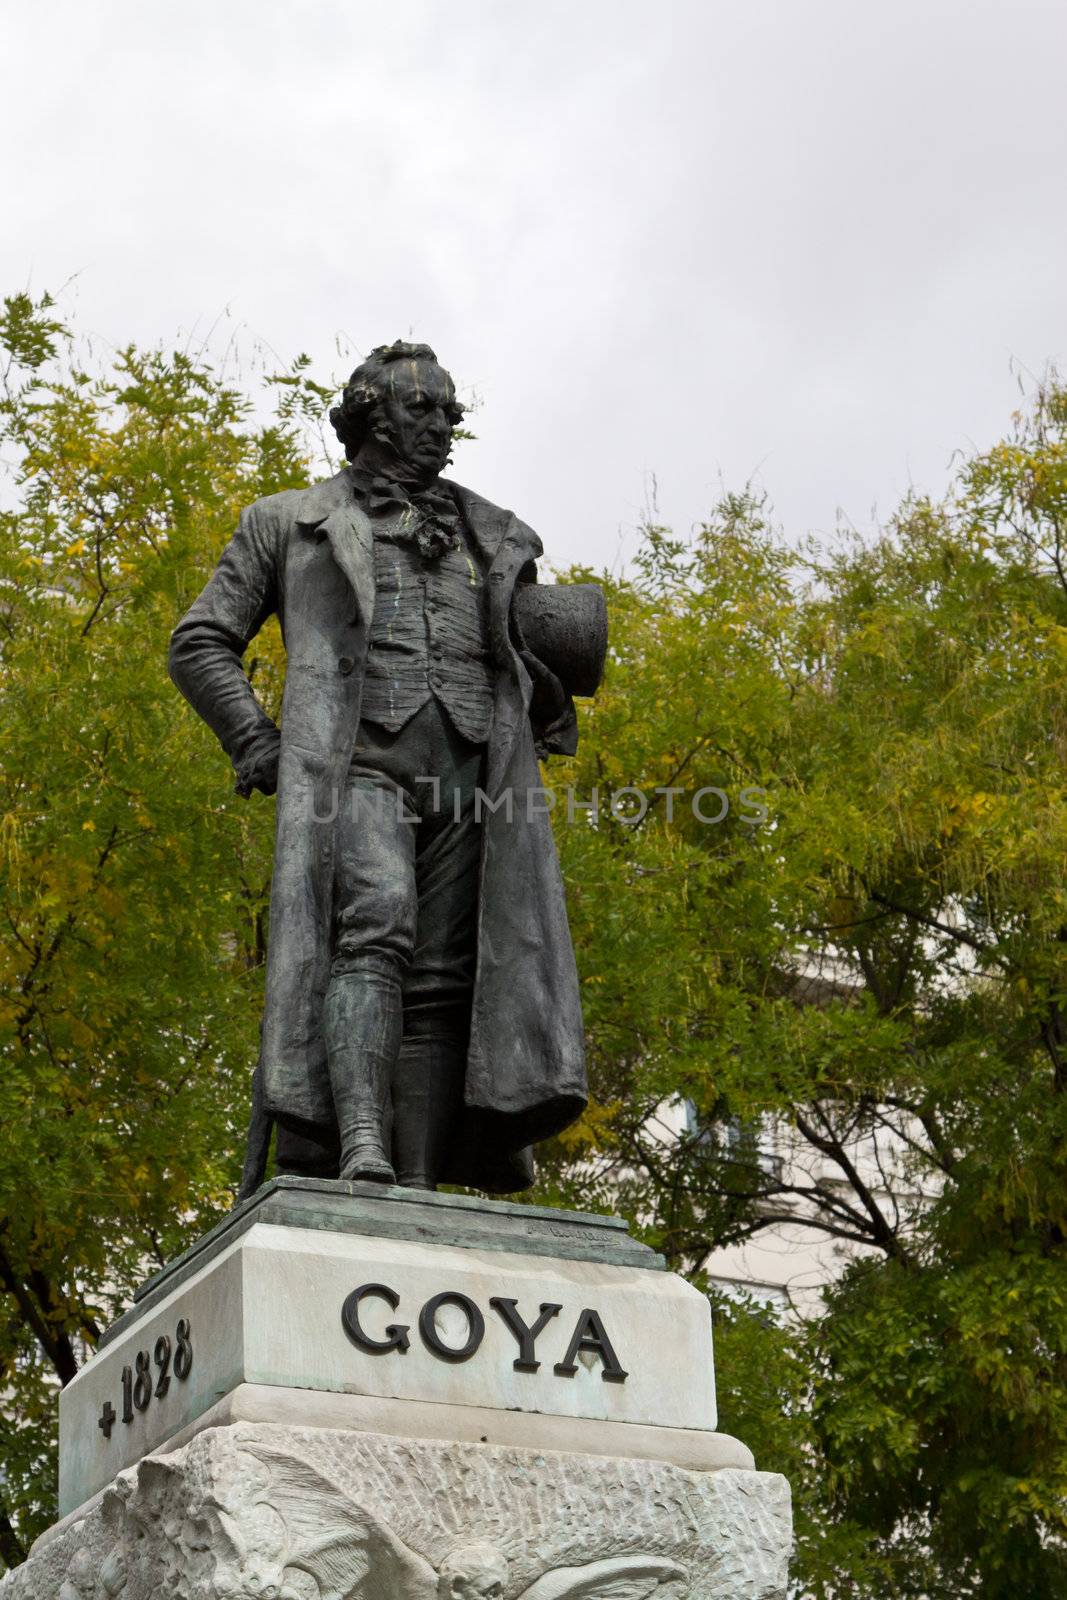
{"x": 428, "y": 636}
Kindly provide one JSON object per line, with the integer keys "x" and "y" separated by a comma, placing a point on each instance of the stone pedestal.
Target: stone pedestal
{"x": 347, "y": 1392}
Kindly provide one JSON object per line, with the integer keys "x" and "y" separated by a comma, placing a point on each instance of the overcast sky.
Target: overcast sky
{"x": 804, "y": 240}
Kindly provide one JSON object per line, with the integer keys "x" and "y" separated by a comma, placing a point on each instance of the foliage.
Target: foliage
{"x": 133, "y": 885}
{"x": 875, "y": 971}
{"x": 878, "y": 973}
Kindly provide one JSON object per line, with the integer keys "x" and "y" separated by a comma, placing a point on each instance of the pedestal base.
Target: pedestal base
{"x": 263, "y": 1511}
{"x": 437, "y": 1303}
{"x": 346, "y": 1392}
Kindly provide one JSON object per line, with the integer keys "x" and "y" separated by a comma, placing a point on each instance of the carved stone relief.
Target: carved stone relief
{"x": 264, "y": 1512}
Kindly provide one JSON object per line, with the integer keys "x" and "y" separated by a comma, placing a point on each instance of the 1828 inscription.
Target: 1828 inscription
{"x": 141, "y": 1384}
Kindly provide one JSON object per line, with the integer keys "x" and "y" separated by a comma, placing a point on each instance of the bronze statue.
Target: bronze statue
{"x": 422, "y": 1020}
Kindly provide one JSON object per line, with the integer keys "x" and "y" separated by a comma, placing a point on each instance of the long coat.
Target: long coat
{"x": 307, "y": 555}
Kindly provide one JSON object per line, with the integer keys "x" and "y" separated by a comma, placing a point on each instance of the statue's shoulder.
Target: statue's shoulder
{"x": 280, "y": 512}
{"x": 477, "y": 502}
{"x": 278, "y": 509}
{"x": 492, "y": 523}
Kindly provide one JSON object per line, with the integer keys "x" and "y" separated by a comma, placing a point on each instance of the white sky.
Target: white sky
{"x": 804, "y": 239}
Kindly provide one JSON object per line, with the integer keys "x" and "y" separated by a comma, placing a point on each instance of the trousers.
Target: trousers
{"x": 406, "y": 878}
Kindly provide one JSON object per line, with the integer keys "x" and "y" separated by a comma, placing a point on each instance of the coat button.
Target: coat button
{"x": 345, "y": 665}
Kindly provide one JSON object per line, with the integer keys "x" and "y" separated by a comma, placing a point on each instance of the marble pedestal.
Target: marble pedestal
{"x": 350, "y": 1393}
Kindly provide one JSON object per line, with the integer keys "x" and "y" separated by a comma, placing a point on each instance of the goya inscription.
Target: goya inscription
{"x": 589, "y": 1335}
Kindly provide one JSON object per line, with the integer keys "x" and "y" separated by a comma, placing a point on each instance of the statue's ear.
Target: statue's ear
{"x": 618, "y": 1578}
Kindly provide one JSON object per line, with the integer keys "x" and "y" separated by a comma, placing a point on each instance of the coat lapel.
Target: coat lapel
{"x": 487, "y": 523}
{"x": 333, "y": 508}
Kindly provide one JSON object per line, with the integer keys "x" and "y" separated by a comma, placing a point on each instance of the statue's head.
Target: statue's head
{"x": 398, "y": 409}
{"x": 473, "y": 1572}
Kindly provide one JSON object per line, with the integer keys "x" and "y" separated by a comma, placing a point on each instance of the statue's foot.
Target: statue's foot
{"x": 368, "y": 1163}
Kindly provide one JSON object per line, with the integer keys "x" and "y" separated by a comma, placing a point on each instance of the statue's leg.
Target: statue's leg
{"x": 427, "y": 1101}
{"x": 361, "y": 1026}
{"x": 438, "y": 986}
{"x": 375, "y": 909}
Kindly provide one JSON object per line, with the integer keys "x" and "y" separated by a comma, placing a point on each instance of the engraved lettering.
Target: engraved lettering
{"x": 508, "y": 1312}
{"x": 396, "y": 1336}
{"x": 432, "y": 1339}
{"x": 589, "y": 1334}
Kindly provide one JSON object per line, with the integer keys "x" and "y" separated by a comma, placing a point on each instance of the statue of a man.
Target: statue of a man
{"x": 422, "y": 1018}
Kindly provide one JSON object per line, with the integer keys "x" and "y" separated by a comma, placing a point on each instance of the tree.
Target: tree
{"x": 880, "y": 968}
{"x": 133, "y": 885}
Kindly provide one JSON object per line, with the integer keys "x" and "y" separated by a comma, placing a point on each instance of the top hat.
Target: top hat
{"x": 565, "y": 625}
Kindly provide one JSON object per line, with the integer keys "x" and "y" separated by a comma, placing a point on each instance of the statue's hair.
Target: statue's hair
{"x": 367, "y": 385}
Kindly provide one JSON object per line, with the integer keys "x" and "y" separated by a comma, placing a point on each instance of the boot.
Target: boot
{"x": 427, "y": 1100}
{"x": 361, "y": 1028}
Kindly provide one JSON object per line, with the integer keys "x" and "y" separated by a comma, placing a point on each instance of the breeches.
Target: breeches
{"x": 407, "y": 866}
{"x": 405, "y": 901}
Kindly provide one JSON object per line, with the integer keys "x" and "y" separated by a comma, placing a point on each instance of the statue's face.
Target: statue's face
{"x": 478, "y": 1572}
{"x": 412, "y": 414}
{"x": 485, "y": 1586}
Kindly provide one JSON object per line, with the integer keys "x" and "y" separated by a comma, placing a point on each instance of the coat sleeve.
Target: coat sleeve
{"x": 207, "y": 645}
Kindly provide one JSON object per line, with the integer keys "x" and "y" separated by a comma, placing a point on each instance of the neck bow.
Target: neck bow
{"x": 435, "y": 524}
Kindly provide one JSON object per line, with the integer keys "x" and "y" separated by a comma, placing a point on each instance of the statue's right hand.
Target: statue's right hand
{"x": 259, "y": 769}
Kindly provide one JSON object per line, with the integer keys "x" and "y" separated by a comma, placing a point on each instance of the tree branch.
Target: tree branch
{"x": 830, "y": 1146}
{"x": 12, "y": 1549}
{"x": 57, "y": 1347}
